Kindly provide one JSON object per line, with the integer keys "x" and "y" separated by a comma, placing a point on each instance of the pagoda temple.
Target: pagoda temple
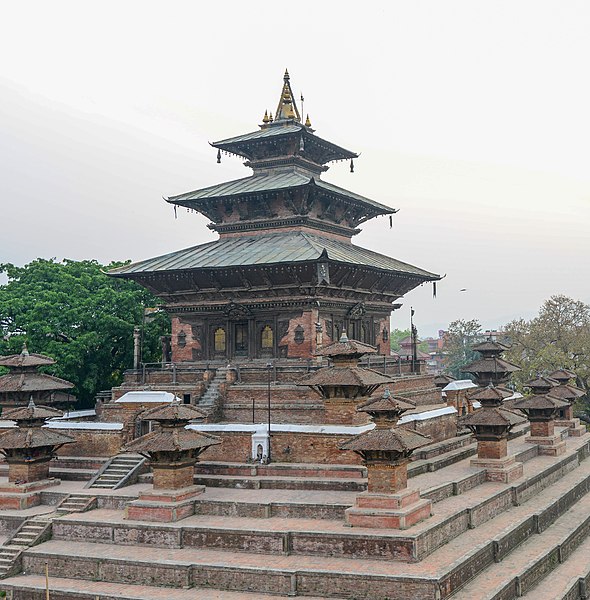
{"x": 25, "y": 382}
{"x": 284, "y": 273}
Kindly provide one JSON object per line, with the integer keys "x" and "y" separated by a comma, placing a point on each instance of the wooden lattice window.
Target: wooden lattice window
{"x": 299, "y": 336}
{"x": 267, "y": 338}
{"x": 220, "y": 340}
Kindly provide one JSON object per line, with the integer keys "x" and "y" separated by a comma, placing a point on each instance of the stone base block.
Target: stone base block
{"x": 164, "y": 506}
{"x": 388, "y": 511}
{"x": 574, "y": 427}
{"x": 549, "y": 446}
{"x": 33, "y": 486}
{"x": 400, "y": 499}
{"x": 504, "y": 470}
{"x": 18, "y": 496}
{"x": 19, "y": 501}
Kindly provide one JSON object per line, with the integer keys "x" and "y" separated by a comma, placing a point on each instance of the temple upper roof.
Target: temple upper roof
{"x": 274, "y": 137}
{"x": 287, "y": 159}
{"x": 25, "y": 360}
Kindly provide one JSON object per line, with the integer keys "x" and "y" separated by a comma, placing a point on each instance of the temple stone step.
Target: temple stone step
{"x": 569, "y": 580}
{"x": 67, "y": 589}
{"x": 529, "y": 565}
{"x": 341, "y": 471}
{"x": 291, "y": 483}
{"x": 485, "y": 507}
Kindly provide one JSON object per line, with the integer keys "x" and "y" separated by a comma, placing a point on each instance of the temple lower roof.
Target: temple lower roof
{"x": 32, "y": 437}
{"x": 268, "y": 249}
{"x": 32, "y": 382}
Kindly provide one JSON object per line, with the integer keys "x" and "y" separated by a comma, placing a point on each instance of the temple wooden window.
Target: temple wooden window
{"x": 267, "y": 338}
{"x": 181, "y": 339}
{"x": 299, "y": 337}
{"x": 219, "y": 340}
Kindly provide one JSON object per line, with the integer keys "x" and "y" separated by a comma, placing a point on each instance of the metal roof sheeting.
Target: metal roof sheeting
{"x": 267, "y": 183}
{"x": 267, "y": 249}
{"x": 263, "y": 133}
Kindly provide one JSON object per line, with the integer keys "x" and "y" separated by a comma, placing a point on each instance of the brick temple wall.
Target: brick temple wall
{"x": 92, "y": 442}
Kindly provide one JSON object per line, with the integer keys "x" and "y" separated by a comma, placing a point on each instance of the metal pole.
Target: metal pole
{"x": 253, "y": 411}
{"x": 268, "y": 367}
{"x": 46, "y": 581}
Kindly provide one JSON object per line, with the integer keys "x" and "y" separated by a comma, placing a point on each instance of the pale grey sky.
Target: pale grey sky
{"x": 471, "y": 117}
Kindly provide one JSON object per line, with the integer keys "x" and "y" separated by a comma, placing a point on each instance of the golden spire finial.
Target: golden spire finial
{"x": 265, "y": 118}
{"x": 270, "y": 117}
{"x": 287, "y": 109}
{"x": 307, "y": 122}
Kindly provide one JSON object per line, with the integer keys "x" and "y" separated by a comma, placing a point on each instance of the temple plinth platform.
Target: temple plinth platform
{"x": 164, "y": 506}
{"x": 549, "y": 445}
{"x": 19, "y": 496}
{"x": 574, "y": 426}
{"x": 389, "y": 511}
{"x": 504, "y": 470}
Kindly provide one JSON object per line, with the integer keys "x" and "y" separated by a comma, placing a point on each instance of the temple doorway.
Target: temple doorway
{"x": 241, "y": 339}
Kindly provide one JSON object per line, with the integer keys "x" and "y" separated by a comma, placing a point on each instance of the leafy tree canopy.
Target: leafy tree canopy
{"x": 460, "y": 336}
{"x": 558, "y": 337}
{"x": 84, "y": 319}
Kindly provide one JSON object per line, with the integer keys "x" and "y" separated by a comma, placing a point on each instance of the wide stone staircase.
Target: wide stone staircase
{"x": 485, "y": 540}
{"x": 209, "y": 399}
{"x": 121, "y": 470}
{"x": 76, "y": 503}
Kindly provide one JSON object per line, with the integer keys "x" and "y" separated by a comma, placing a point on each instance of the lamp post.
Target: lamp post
{"x": 269, "y": 369}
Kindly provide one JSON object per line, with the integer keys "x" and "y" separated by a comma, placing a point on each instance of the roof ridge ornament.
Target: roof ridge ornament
{"x": 287, "y": 109}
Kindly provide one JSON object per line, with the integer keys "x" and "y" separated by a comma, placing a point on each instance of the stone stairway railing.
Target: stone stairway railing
{"x": 32, "y": 532}
{"x": 121, "y": 470}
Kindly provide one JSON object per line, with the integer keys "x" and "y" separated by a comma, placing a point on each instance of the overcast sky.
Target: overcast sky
{"x": 471, "y": 117}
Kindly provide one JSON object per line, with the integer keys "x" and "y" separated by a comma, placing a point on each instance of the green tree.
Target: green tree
{"x": 558, "y": 337}
{"x": 81, "y": 317}
{"x": 460, "y": 336}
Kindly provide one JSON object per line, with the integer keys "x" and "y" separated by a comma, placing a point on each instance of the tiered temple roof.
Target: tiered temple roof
{"x": 172, "y": 435}
{"x": 491, "y": 367}
{"x": 25, "y": 381}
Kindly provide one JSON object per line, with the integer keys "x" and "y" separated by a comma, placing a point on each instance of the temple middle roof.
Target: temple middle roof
{"x": 278, "y": 181}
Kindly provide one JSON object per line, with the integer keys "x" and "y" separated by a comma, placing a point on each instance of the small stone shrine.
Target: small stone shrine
{"x": 172, "y": 451}
{"x": 344, "y": 383}
{"x": 28, "y": 450}
{"x": 541, "y": 410}
{"x": 25, "y": 382}
{"x": 491, "y": 425}
{"x": 386, "y": 451}
{"x": 570, "y": 393}
{"x": 491, "y": 368}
